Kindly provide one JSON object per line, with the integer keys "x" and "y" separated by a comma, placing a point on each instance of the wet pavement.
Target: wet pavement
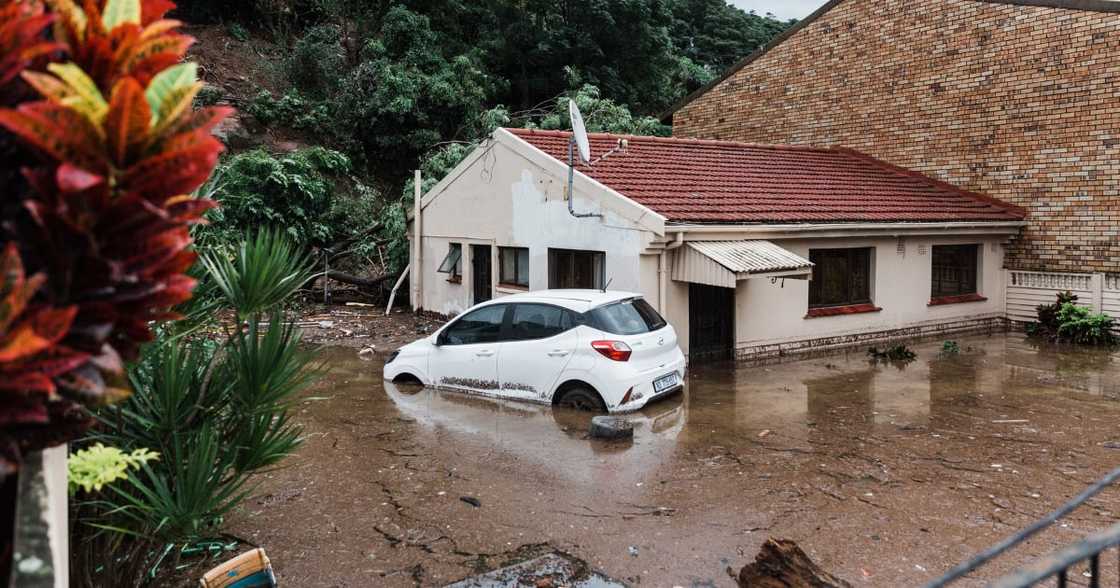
{"x": 885, "y": 474}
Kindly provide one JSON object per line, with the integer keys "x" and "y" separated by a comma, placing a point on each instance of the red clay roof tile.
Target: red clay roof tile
{"x": 703, "y": 181}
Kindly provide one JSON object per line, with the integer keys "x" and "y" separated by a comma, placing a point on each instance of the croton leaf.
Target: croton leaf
{"x": 73, "y": 17}
{"x": 159, "y": 27}
{"x": 127, "y": 122}
{"x": 16, "y": 289}
{"x": 52, "y": 362}
{"x": 174, "y": 105}
{"x": 59, "y": 131}
{"x": 72, "y": 178}
{"x": 153, "y": 10}
{"x": 164, "y": 84}
{"x": 170, "y": 174}
{"x": 84, "y": 96}
{"x": 119, "y": 12}
{"x": 149, "y": 47}
{"x": 43, "y": 328}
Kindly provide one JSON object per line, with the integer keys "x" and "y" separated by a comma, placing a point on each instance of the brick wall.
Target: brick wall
{"x": 1019, "y": 102}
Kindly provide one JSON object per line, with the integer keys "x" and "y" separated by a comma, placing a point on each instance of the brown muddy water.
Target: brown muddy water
{"x": 886, "y": 475}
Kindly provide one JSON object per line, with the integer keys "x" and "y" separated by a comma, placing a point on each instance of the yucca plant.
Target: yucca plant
{"x": 101, "y": 149}
{"x": 267, "y": 269}
{"x": 216, "y": 411}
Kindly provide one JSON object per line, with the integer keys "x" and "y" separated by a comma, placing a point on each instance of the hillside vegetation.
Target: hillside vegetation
{"x": 367, "y": 91}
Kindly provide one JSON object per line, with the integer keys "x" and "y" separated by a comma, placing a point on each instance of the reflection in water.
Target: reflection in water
{"x": 722, "y": 405}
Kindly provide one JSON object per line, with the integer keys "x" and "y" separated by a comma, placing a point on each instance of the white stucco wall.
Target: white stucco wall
{"x": 503, "y": 199}
{"x": 769, "y": 313}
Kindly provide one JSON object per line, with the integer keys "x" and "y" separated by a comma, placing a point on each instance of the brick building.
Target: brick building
{"x": 1018, "y": 99}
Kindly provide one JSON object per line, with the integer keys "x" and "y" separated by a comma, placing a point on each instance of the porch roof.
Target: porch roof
{"x": 724, "y": 263}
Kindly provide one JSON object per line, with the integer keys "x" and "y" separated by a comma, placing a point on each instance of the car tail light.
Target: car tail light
{"x": 614, "y": 350}
{"x": 626, "y": 397}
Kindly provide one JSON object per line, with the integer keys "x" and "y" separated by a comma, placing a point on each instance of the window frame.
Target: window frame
{"x": 574, "y": 317}
{"x": 507, "y": 308}
{"x": 599, "y": 257}
{"x": 934, "y": 282}
{"x": 502, "y": 281}
{"x": 455, "y": 273}
{"x": 850, "y": 298}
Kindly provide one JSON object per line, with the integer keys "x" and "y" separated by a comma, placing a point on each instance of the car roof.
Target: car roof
{"x": 579, "y": 300}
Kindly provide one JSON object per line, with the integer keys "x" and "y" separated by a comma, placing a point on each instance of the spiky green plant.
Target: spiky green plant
{"x": 217, "y": 411}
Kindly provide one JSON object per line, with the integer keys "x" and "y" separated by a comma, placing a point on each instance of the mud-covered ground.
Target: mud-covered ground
{"x": 885, "y": 475}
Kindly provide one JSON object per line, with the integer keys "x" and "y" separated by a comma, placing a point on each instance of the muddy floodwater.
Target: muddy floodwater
{"x": 885, "y": 474}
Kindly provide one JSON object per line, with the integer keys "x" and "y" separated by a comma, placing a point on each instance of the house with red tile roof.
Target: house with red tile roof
{"x": 749, "y": 250}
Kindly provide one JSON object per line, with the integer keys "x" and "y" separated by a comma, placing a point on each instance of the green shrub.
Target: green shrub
{"x": 97, "y": 466}
{"x": 1065, "y": 320}
{"x": 293, "y": 192}
{"x": 950, "y": 348}
{"x": 237, "y": 31}
{"x": 292, "y": 110}
{"x": 209, "y": 95}
{"x": 317, "y": 62}
{"x": 1078, "y": 324}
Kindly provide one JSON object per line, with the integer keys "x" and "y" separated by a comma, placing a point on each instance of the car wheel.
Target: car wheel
{"x": 582, "y": 399}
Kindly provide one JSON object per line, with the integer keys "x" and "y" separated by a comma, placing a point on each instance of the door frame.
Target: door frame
{"x": 727, "y": 352}
{"x": 474, "y": 249}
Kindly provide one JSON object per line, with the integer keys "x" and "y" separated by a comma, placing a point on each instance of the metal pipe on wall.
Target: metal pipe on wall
{"x": 662, "y": 282}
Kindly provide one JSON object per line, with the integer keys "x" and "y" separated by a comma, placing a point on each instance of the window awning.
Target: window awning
{"x": 724, "y": 263}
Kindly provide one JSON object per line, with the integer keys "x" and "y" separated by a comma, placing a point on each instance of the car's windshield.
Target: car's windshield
{"x": 626, "y": 317}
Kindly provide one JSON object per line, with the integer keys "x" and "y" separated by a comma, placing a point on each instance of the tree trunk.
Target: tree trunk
{"x": 367, "y": 283}
{"x": 781, "y": 564}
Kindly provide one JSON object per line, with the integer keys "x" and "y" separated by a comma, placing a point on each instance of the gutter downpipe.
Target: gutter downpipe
{"x": 662, "y": 282}
{"x": 418, "y": 243}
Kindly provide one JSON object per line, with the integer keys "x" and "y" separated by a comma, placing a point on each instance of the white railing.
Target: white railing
{"x": 1050, "y": 281}
{"x": 1026, "y": 290}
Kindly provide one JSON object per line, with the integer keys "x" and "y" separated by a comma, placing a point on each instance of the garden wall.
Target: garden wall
{"x": 1026, "y": 290}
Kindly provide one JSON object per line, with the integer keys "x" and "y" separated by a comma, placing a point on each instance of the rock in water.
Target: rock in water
{"x": 781, "y": 564}
{"x": 608, "y": 427}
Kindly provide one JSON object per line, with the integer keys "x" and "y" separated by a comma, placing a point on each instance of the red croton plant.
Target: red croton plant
{"x": 100, "y": 149}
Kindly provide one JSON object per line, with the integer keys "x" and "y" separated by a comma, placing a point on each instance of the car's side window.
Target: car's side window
{"x": 478, "y": 326}
{"x": 539, "y": 321}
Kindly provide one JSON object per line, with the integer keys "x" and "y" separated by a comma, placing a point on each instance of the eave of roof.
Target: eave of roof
{"x": 1111, "y": 6}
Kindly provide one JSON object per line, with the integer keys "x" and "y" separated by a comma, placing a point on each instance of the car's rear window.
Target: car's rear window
{"x": 627, "y": 317}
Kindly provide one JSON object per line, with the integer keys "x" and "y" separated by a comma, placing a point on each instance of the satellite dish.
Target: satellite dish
{"x": 579, "y": 132}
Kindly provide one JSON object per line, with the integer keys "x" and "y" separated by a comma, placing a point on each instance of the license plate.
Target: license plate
{"x": 664, "y": 383}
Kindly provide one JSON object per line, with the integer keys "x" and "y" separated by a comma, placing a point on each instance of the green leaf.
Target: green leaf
{"x": 167, "y": 84}
{"x": 118, "y": 12}
{"x": 84, "y": 95}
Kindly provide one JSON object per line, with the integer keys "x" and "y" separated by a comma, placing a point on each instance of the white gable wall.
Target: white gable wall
{"x": 503, "y": 197}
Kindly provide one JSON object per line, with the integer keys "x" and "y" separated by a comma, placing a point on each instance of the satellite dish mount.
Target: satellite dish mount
{"x": 577, "y": 140}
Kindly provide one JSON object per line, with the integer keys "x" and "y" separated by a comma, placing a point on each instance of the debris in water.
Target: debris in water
{"x": 367, "y": 353}
{"x": 1112, "y": 444}
{"x": 781, "y": 562}
{"x": 471, "y": 500}
{"x": 897, "y": 352}
{"x": 608, "y": 427}
{"x": 550, "y": 570}
{"x": 633, "y": 551}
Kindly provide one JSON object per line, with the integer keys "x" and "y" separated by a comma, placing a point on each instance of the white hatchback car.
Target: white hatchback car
{"x": 586, "y": 349}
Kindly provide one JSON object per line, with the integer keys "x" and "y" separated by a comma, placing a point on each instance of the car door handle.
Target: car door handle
{"x": 485, "y": 353}
{"x": 558, "y": 353}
